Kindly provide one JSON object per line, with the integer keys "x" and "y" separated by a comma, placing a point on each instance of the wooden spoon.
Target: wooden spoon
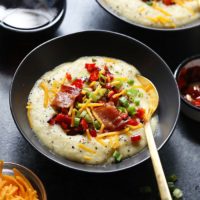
{"x": 153, "y": 104}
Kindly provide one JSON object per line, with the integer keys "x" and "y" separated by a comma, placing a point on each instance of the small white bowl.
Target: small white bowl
{"x": 187, "y": 107}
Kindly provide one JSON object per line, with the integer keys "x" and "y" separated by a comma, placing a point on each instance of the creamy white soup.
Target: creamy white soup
{"x": 91, "y": 110}
{"x": 157, "y": 13}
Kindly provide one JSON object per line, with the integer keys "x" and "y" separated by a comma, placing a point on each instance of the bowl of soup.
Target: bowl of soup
{"x": 162, "y": 15}
{"x": 84, "y": 107}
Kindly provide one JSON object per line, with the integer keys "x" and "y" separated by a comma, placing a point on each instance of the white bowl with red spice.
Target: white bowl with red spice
{"x": 188, "y": 78}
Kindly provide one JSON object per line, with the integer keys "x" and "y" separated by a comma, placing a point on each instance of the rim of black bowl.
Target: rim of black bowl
{"x": 176, "y": 73}
{"x": 93, "y": 169}
{"x": 182, "y": 28}
{"x": 50, "y": 24}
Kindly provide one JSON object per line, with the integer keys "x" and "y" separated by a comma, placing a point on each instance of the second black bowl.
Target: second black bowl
{"x": 95, "y": 43}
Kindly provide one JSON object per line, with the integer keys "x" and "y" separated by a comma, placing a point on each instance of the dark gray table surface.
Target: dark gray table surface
{"x": 180, "y": 155}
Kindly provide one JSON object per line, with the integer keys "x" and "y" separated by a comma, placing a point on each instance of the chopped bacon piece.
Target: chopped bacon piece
{"x": 110, "y": 116}
{"x": 62, "y": 100}
{"x": 70, "y": 90}
{"x": 66, "y": 97}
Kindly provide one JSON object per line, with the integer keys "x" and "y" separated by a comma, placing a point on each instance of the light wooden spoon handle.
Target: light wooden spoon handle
{"x": 160, "y": 176}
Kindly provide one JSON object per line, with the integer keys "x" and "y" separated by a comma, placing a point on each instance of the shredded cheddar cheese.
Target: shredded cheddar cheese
{"x": 99, "y": 140}
{"x": 46, "y": 95}
{"x": 108, "y": 134}
{"x": 156, "y": 7}
{"x": 71, "y": 109}
{"x": 92, "y": 84}
{"x": 83, "y": 106}
{"x": 88, "y": 134}
{"x": 110, "y": 60}
{"x": 90, "y": 104}
{"x": 29, "y": 107}
{"x": 16, "y": 186}
{"x": 73, "y": 116}
{"x": 90, "y": 114}
{"x": 114, "y": 142}
{"x": 102, "y": 128}
{"x": 135, "y": 127}
{"x": 84, "y": 147}
{"x": 118, "y": 94}
{"x": 162, "y": 20}
{"x": 87, "y": 157}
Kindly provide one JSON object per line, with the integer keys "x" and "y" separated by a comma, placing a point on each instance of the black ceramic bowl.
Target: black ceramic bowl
{"x": 115, "y": 14}
{"x": 189, "y": 73}
{"x": 92, "y": 43}
{"x": 31, "y": 17}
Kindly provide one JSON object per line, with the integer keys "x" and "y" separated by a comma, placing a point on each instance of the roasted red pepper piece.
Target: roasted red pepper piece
{"x": 93, "y": 133}
{"x": 135, "y": 138}
{"x": 94, "y": 76}
{"x": 64, "y": 125}
{"x": 68, "y": 76}
{"x": 78, "y": 83}
{"x": 62, "y": 118}
{"x": 132, "y": 122}
{"x": 90, "y": 67}
{"x": 84, "y": 124}
{"x": 140, "y": 113}
{"x": 168, "y": 2}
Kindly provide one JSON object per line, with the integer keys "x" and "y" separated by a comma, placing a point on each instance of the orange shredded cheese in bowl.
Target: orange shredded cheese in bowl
{"x": 19, "y": 183}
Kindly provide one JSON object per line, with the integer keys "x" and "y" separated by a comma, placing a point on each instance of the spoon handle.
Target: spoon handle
{"x": 160, "y": 176}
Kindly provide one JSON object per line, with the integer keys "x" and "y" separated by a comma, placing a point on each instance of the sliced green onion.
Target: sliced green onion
{"x": 102, "y": 79}
{"x": 97, "y": 125}
{"x": 150, "y": 3}
{"x": 137, "y": 102}
{"x": 171, "y": 186}
{"x": 131, "y": 110}
{"x": 117, "y": 156}
{"x": 132, "y": 92}
{"x": 124, "y": 101}
{"x": 121, "y": 109}
{"x": 88, "y": 118}
{"x": 76, "y": 121}
{"x": 130, "y": 81}
{"x": 96, "y": 97}
{"x": 82, "y": 115}
{"x": 172, "y": 178}
{"x": 177, "y": 193}
{"x": 140, "y": 94}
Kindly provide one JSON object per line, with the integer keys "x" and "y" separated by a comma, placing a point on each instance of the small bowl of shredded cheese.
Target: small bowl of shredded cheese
{"x": 19, "y": 183}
